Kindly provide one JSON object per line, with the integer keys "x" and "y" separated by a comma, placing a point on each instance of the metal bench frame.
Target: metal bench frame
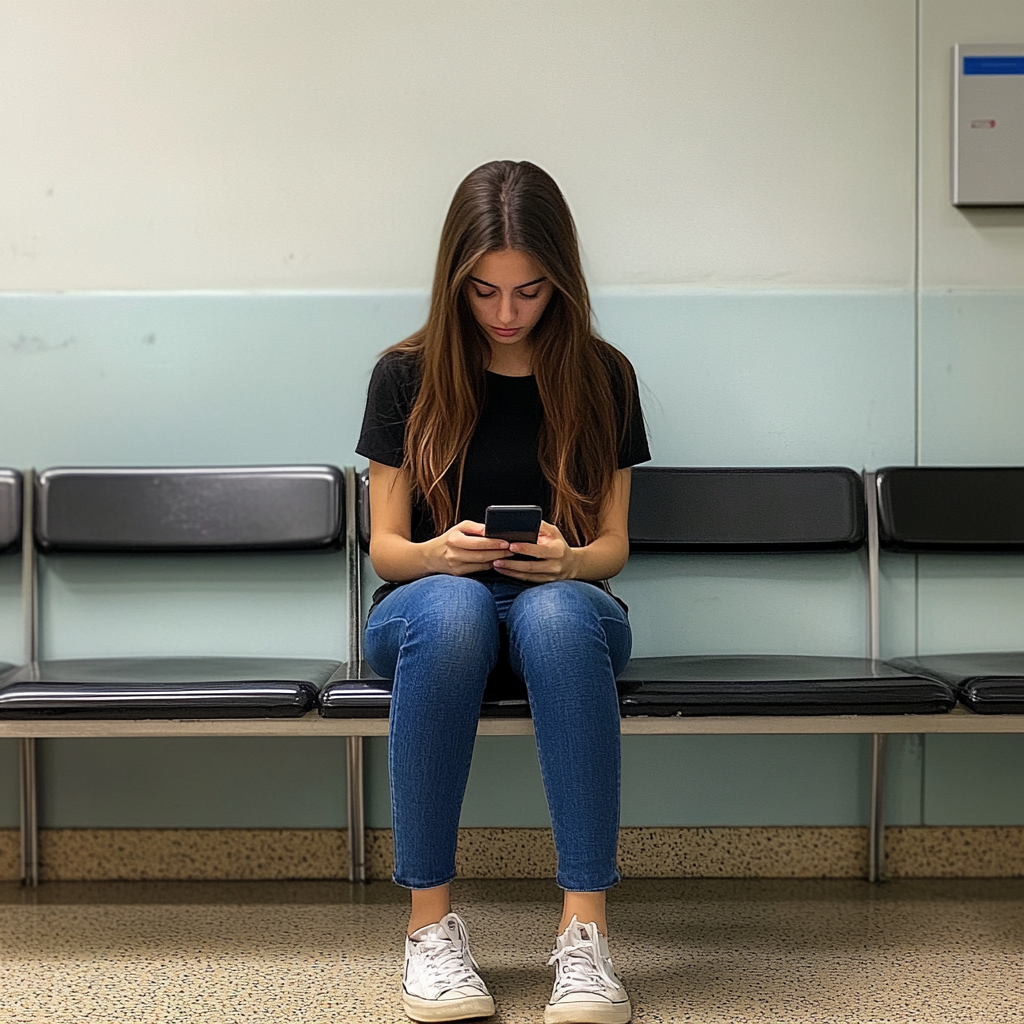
{"x": 960, "y": 720}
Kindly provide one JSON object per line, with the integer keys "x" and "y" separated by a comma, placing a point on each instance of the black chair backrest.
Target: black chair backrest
{"x": 731, "y": 510}
{"x": 10, "y": 508}
{"x": 813, "y": 509}
{"x": 941, "y": 508}
{"x": 252, "y": 508}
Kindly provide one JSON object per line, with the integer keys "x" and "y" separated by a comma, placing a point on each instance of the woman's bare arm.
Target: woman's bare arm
{"x": 461, "y": 550}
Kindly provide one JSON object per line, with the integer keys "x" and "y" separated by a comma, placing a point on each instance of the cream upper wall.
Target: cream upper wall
{"x": 962, "y": 248}
{"x": 180, "y": 144}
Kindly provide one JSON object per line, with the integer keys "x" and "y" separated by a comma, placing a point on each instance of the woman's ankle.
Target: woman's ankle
{"x": 586, "y": 907}
{"x": 429, "y": 906}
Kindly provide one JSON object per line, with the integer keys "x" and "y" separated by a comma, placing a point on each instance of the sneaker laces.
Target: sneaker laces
{"x": 444, "y": 956}
{"x": 580, "y": 967}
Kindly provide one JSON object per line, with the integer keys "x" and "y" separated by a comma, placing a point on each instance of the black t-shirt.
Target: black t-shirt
{"x": 502, "y": 466}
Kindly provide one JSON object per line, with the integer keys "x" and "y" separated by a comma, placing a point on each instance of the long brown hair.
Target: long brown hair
{"x": 509, "y": 205}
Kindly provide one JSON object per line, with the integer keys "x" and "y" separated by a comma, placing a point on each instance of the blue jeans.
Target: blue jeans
{"x": 437, "y": 638}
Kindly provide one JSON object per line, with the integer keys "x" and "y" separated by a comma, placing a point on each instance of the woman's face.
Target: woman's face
{"x": 508, "y": 292}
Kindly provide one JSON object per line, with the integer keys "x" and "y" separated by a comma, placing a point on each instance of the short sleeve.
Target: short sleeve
{"x": 633, "y": 448}
{"x": 389, "y": 400}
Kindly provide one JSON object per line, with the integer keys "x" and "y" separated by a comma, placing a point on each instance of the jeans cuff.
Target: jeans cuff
{"x": 417, "y": 884}
{"x": 586, "y": 884}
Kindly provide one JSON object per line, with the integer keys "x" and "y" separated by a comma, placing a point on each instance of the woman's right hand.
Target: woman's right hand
{"x": 464, "y": 549}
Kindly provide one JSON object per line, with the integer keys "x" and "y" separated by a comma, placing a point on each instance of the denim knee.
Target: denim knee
{"x": 550, "y": 619}
{"x": 449, "y": 622}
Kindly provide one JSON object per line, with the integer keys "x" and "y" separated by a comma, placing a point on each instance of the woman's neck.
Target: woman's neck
{"x": 511, "y": 360}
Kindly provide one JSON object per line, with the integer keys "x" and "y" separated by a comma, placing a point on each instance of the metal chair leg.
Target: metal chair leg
{"x": 876, "y": 825}
{"x": 29, "y": 813}
{"x": 354, "y": 744}
{"x": 356, "y": 819}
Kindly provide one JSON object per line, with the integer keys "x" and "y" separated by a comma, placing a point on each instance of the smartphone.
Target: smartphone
{"x": 518, "y": 524}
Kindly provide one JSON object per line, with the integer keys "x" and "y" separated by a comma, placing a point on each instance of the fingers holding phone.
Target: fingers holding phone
{"x": 464, "y": 549}
{"x": 544, "y": 560}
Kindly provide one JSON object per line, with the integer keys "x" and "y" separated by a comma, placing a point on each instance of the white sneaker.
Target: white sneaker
{"x": 586, "y": 990}
{"x": 440, "y": 980}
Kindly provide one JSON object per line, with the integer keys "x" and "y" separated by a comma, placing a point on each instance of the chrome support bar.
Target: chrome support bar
{"x": 353, "y": 568}
{"x": 29, "y": 817}
{"x": 354, "y": 744}
{"x": 876, "y": 823}
{"x": 27, "y": 782}
{"x": 876, "y": 826}
{"x": 874, "y": 611}
{"x": 356, "y": 822}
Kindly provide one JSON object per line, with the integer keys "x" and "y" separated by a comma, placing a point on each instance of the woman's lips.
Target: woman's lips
{"x": 506, "y": 332}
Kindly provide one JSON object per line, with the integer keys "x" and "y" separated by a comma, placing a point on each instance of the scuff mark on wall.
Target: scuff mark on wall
{"x": 34, "y": 343}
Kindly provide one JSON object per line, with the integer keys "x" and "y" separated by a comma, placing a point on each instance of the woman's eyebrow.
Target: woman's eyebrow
{"x": 517, "y": 287}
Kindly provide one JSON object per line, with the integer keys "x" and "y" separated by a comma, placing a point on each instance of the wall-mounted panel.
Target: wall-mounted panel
{"x": 961, "y": 248}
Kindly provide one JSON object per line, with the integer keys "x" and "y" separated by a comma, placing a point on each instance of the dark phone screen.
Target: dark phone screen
{"x": 514, "y": 523}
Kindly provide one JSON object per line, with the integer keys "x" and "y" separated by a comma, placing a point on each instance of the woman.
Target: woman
{"x": 506, "y": 396}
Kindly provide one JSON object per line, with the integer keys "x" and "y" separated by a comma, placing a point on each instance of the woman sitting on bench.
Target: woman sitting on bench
{"x": 505, "y": 397}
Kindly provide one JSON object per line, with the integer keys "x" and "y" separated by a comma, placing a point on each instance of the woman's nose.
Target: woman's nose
{"x": 506, "y": 314}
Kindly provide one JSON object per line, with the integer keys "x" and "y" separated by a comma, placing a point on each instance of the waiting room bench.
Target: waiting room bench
{"x": 354, "y": 701}
{"x": 947, "y": 509}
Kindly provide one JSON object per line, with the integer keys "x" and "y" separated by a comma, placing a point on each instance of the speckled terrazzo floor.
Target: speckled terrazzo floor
{"x": 716, "y": 951}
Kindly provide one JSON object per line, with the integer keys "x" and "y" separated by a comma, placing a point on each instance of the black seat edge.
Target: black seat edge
{"x": 170, "y": 687}
{"x": 988, "y": 683}
{"x": 890, "y": 692}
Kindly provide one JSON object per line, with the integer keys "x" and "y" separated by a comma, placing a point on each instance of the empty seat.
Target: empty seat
{"x": 761, "y": 510}
{"x": 96, "y": 511}
{"x": 726, "y": 510}
{"x": 925, "y": 509}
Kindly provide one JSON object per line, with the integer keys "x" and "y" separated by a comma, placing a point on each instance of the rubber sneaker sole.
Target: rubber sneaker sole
{"x": 585, "y": 1012}
{"x": 428, "y": 1010}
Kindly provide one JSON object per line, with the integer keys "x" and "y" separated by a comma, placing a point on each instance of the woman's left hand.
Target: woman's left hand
{"x": 555, "y": 559}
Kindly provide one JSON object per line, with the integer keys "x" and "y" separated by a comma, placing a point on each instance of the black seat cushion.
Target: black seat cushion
{"x": 368, "y": 695}
{"x": 989, "y": 683}
{"x": 139, "y": 688}
{"x": 776, "y": 685}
